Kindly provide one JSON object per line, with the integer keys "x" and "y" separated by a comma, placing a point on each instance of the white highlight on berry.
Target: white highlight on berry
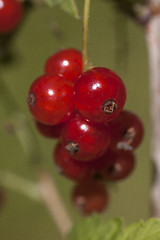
{"x": 1, "y": 4}
{"x": 84, "y": 127}
{"x": 95, "y": 86}
{"x": 65, "y": 63}
{"x": 50, "y": 92}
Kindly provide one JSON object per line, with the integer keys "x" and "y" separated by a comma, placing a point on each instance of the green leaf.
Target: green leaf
{"x": 149, "y": 230}
{"x": 94, "y": 228}
{"x": 70, "y": 7}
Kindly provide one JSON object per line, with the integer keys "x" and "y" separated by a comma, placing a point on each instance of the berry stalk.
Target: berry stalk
{"x": 85, "y": 35}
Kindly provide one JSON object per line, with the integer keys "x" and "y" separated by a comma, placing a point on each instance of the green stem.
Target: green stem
{"x": 19, "y": 184}
{"x": 85, "y": 35}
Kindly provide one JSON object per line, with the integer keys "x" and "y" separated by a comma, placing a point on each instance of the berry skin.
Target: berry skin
{"x": 90, "y": 197}
{"x": 100, "y": 94}
{"x": 50, "y": 99}
{"x": 72, "y": 169}
{"x": 84, "y": 140}
{"x": 67, "y": 62}
{"x": 48, "y": 130}
{"x": 126, "y": 131}
{"x": 116, "y": 165}
{"x": 11, "y": 12}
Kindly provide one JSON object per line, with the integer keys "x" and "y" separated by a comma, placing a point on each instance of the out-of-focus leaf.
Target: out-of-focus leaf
{"x": 94, "y": 228}
{"x": 68, "y": 6}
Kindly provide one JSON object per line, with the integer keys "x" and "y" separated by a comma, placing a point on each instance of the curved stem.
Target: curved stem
{"x": 54, "y": 203}
{"x": 85, "y": 35}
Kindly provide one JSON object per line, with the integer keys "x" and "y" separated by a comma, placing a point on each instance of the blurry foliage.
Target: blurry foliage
{"x": 127, "y": 6}
{"x": 114, "y": 230}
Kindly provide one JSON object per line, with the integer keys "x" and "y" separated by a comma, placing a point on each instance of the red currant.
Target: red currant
{"x": 10, "y": 15}
{"x": 116, "y": 165}
{"x": 48, "y": 130}
{"x": 99, "y": 94}
{"x": 83, "y": 139}
{"x": 126, "y": 131}
{"x": 67, "y": 62}
{"x": 90, "y": 197}
{"x": 50, "y": 99}
{"x": 68, "y": 166}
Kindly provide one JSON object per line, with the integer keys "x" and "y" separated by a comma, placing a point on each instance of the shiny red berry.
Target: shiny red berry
{"x": 116, "y": 165}
{"x": 90, "y": 197}
{"x": 84, "y": 140}
{"x": 67, "y": 62}
{"x": 48, "y": 130}
{"x": 69, "y": 167}
{"x": 100, "y": 94}
{"x": 10, "y": 15}
{"x": 126, "y": 131}
{"x": 50, "y": 99}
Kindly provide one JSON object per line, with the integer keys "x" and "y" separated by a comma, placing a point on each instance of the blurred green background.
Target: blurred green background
{"x": 114, "y": 42}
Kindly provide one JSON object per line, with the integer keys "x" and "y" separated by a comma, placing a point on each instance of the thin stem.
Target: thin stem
{"x": 85, "y": 35}
{"x": 20, "y": 185}
{"x": 54, "y": 203}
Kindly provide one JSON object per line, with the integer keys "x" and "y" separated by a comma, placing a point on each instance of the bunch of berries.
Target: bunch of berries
{"x": 11, "y": 12}
{"x": 84, "y": 110}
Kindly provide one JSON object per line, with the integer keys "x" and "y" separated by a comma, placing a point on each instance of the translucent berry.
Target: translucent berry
{"x": 90, "y": 197}
{"x": 11, "y": 12}
{"x": 84, "y": 140}
{"x": 116, "y": 165}
{"x": 100, "y": 94}
{"x": 50, "y": 99}
{"x": 67, "y": 62}
{"x": 126, "y": 131}
{"x": 69, "y": 167}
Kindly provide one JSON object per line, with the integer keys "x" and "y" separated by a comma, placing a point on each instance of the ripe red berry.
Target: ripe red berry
{"x": 67, "y": 62}
{"x": 83, "y": 139}
{"x": 90, "y": 197}
{"x": 50, "y": 99}
{"x": 116, "y": 165}
{"x": 48, "y": 130}
{"x": 126, "y": 131}
{"x": 99, "y": 94}
{"x": 68, "y": 166}
{"x": 10, "y": 15}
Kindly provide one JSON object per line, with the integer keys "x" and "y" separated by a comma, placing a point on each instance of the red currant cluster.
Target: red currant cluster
{"x": 11, "y": 12}
{"x": 84, "y": 110}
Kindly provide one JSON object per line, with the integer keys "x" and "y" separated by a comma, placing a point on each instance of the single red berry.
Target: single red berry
{"x": 116, "y": 165}
{"x": 48, "y": 130}
{"x": 68, "y": 166}
{"x": 126, "y": 131}
{"x": 84, "y": 140}
{"x": 50, "y": 99}
{"x": 90, "y": 197}
{"x": 100, "y": 94}
{"x": 11, "y": 12}
{"x": 67, "y": 62}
